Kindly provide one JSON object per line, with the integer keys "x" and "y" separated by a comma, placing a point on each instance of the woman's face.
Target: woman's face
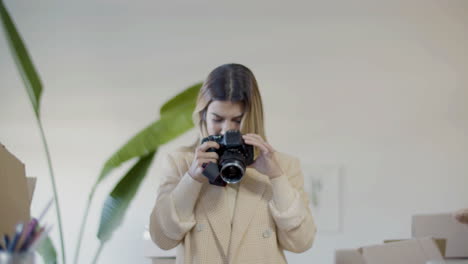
{"x": 222, "y": 116}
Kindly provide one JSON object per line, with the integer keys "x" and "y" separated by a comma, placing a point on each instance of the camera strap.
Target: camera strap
{"x": 212, "y": 173}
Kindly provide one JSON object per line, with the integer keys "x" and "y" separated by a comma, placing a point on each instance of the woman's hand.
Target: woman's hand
{"x": 266, "y": 163}
{"x": 203, "y": 157}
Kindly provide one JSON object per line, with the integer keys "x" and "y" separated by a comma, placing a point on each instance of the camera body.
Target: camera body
{"x": 234, "y": 157}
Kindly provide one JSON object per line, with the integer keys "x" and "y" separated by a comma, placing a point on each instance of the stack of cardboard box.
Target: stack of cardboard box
{"x": 437, "y": 239}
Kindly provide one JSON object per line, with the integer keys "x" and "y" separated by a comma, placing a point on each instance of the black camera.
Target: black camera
{"x": 234, "y": 157}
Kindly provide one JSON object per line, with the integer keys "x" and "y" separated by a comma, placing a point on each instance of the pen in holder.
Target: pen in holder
{"x": 17, "y": 257}
{"x": 20, "y": 247}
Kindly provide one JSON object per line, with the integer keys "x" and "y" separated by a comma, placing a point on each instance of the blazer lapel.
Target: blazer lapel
{"x": 214, "y": 200}
{"x": 250, "y": 192}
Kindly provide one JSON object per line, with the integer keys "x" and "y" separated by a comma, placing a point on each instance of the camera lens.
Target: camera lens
{"x": 232, "y": 171}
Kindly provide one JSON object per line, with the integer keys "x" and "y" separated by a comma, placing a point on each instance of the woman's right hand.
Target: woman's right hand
{"x": 203, "y": 157}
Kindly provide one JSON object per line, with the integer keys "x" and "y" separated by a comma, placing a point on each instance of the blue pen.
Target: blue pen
{"x": 19, "y": 230}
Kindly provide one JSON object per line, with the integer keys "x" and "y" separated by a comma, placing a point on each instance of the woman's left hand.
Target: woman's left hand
{"x": 266, "y": 163}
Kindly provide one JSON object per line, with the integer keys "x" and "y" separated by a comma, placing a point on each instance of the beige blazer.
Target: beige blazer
{"x": 259, "y": 232}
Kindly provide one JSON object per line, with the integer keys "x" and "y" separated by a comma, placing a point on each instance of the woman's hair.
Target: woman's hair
{"x": 235, "y": 83}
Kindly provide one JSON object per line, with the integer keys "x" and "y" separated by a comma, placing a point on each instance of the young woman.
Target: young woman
{"x": 252, "y": 221}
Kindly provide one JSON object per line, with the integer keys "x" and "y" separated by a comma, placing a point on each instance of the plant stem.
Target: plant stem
{"x": 54, "y": 189}
{"x": 83, "y": 223}
{"x": 98, "y": 253}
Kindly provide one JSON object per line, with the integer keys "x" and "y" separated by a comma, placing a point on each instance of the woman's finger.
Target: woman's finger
{"x": 201, "y": 162}
{"x": 208, "y": 155}
{"x": 259, "y": 139}
{"x": 205, "y": 146}
{"x": 262, "y": 147}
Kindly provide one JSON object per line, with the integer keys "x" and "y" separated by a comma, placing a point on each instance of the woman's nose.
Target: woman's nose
{"x": 228, "y": 126}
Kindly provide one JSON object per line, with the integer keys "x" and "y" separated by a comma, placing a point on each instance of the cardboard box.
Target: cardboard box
{"x": 15, "y": 195}
{"x": 349, "y": 256}
{"x": 413, "y": 251}
{"x": 443, "y": 226}
{"x": 450, "y": 261}
{"x": 441, "y": 243}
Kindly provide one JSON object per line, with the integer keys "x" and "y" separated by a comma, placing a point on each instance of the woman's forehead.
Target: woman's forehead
{"x": 226, "y": 108}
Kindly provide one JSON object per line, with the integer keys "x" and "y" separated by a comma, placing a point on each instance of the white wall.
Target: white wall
{"x": 377, "y": 86}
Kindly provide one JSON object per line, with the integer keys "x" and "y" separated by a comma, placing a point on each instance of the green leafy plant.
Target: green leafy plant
{"x": 33, "y": 87}
{"x": 175, "y": 119}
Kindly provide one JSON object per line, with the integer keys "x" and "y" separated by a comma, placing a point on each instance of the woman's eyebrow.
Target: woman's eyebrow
{"x": 219, "y": 116}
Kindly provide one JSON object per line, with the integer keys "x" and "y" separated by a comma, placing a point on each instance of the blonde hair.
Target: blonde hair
{"x": 235, "y": 83}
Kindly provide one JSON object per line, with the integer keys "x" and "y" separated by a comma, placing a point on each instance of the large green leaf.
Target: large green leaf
{"x": 23, "y": 61}
{"x": 170, "y": 126}
{"x": 176, "y": 119}
{"x": 188, "y": 97}
{"x": 118, "y": 201}
{"x": 47, "y": 251}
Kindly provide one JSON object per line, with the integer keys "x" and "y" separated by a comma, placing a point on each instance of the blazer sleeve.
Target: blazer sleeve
{"x": 167, "y": 228}
{"x": 295, "y": 226}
